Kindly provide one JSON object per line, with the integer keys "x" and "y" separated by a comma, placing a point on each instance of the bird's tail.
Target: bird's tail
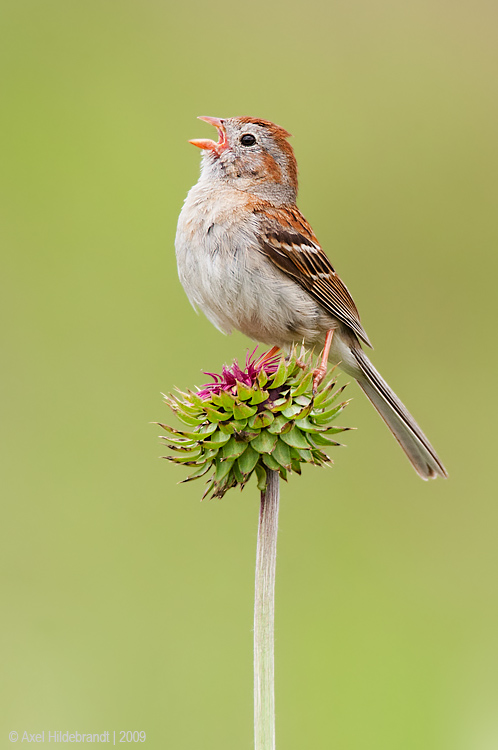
{"x": 419, "y": 451}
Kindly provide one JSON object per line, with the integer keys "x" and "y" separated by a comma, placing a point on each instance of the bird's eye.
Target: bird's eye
{"x": 248, "y": 139}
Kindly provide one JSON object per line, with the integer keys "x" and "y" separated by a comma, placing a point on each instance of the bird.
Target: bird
{"x": 249, "y": 260}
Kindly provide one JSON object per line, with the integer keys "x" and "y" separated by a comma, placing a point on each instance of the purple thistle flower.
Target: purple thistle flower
{"x": 229, "y": 377}
{"x": 255, "y": 419}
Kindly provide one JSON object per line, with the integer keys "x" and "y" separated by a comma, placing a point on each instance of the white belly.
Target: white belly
{"x": 230, "y": 280}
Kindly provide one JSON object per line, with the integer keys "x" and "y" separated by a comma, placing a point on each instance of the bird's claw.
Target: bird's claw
{"x": 318, "y": 375}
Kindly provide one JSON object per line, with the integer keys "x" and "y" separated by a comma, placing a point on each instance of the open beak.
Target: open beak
{"x": 209, "y": 145}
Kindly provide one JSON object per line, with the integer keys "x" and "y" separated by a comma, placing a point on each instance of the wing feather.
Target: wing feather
{"x": 288, "y": 241}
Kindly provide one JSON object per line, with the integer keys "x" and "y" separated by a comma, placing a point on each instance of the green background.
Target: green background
{"x": 127, "y": 604}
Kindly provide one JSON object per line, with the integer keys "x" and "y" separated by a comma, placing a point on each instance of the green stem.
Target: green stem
{"x": 264, "y": 616}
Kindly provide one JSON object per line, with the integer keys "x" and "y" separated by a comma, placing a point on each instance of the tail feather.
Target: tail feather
{"x": 419, "y": 451}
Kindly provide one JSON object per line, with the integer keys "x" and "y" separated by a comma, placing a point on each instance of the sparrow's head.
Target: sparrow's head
{"x": 252, "y": 154}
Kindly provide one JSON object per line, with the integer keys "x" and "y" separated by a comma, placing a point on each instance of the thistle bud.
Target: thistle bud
{"x": 248, "y": 420}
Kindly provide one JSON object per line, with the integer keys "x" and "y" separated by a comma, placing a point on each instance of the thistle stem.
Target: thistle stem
{"x": 264, "y": 616}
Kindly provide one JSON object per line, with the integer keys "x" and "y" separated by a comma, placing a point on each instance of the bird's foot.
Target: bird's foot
{"x": 318, "y": 375}
{"x": 321, "y": 370}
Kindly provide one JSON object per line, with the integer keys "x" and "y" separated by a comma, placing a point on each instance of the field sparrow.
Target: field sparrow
{"x": 249, "y": 260}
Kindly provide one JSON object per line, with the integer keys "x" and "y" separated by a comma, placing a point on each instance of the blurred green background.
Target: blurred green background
{"x": 127, "y": 604}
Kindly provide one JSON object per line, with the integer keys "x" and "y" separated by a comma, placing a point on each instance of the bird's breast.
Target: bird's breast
{"x": 214, "y": 245}
{"x": 227, "y": 277}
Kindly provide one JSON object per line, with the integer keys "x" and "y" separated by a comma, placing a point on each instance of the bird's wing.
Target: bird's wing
{"x": 287, "y": 240}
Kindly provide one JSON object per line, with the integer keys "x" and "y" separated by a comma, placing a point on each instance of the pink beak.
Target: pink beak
{"x": 206, "y": 143}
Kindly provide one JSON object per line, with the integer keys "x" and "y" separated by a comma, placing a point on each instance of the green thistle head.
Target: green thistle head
{"x": 247, "y": 421}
